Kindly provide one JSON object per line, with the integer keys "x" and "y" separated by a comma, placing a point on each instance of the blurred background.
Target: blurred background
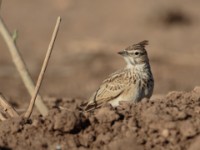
{"x": 91, "y": 34}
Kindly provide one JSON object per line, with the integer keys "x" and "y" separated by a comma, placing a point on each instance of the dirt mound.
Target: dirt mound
{"x": 171, "y": 122}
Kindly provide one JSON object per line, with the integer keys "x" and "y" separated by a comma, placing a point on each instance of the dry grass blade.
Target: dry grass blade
{"x": 44, "y": 66}
{"x": 0, "y": 3}
{"x": 21, "y": 67}
{"x": 2, "y": 117}
{"x": 7, "y": 107}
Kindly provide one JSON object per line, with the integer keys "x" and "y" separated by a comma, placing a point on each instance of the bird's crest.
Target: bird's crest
{"x": 139, "y": 46}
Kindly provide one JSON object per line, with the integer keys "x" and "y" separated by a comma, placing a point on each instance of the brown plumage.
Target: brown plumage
{"x": 140, "y": 45}
{"x": 131, "y": 83}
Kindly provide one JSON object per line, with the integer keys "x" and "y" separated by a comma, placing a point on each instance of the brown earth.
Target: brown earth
{"x": 171, "y": 122}
{"x": 85, "y": 53}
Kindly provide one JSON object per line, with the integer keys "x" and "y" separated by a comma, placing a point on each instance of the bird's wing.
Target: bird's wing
{"x": 110, "y": 89}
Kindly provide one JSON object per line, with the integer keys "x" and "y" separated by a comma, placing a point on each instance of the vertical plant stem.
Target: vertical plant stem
{"x": 0, "y": 4}
{"x": 44, "y": 66}
{"x": 21, "y": 67}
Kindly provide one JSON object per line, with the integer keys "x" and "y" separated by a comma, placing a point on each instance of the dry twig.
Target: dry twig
{"x": 7, "y": 107}
{"x": 44, "y": 66}
{"x": 2, "y": 117}
{"x": 0, "y": 3}
{"x": 21, "y": 67}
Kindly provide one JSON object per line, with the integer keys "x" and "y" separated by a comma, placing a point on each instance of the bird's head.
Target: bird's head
{"x": 135, "y": 54}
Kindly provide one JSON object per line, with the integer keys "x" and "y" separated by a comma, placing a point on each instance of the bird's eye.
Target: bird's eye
{"x": 136, "y": 53}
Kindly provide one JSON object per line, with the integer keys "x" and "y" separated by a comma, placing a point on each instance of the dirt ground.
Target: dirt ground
{"x": 85, "y": 53}
{"x": 171, "y": 122}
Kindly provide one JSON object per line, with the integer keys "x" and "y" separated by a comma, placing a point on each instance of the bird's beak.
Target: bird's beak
{"x": 123, "y": 53}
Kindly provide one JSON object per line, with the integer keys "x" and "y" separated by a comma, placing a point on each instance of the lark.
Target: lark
{"x": 130, "y": 84}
